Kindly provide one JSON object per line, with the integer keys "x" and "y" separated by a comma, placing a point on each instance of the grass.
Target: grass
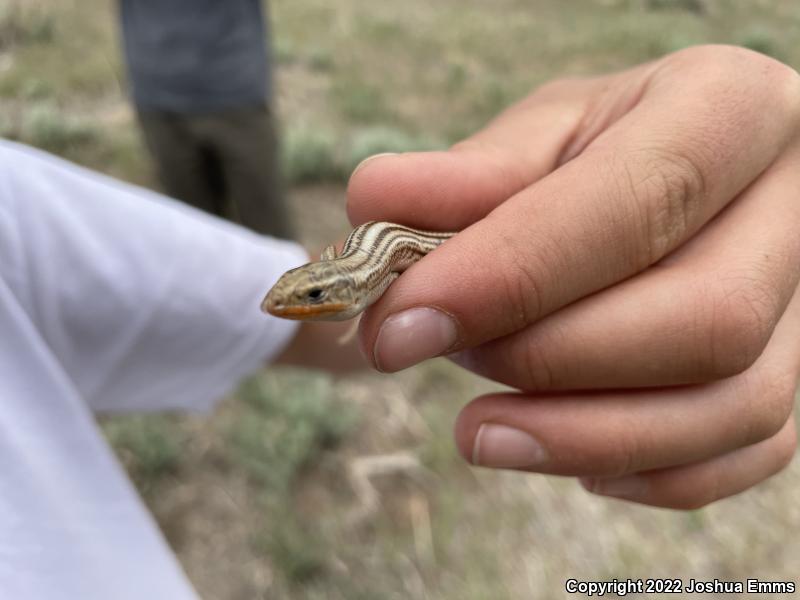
{"x": 314, "y": 154}
{"x": 286, "y": 424}
{"x": 85, "y": 66}
{"x": 149, "y": 447}
{"x": 46, "y": 127}
{"x": 360, "y": 102}
{"x": 428, "y": 76}
{"x": 22, "y": 26}
{"x": 311, "y": 154}
{"x": 293, "y": 548}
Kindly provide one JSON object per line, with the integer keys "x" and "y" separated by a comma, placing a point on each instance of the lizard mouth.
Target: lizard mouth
{"x": 303, "y": 311}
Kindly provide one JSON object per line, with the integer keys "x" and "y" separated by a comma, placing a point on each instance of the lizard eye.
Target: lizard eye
{"x": 316, "y": 295}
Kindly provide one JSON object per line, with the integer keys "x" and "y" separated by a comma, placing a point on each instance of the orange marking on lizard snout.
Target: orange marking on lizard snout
{"x": 305, "y": 311}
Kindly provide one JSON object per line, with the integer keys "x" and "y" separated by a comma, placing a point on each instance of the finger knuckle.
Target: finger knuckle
{"x": 784, "y": 85}
{"x": 730, "y": 68}
{"x": 744, "y": 311}
{"x": 714, "y": 65}
{"x": 506, "y": 167}
{"x": 521, "y": 282}
{"x": 765, "y": 73}
{"x": 538, "y": 372}
{"x": 714, "y": 53}
{"x": 624, "y": 455}
{"x": 721, "y": 61}
{"x": 667, "y": 196}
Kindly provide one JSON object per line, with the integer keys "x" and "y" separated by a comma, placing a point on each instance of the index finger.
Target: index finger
{"x": 452, "y": 189}
{"x": 702, "y": 130}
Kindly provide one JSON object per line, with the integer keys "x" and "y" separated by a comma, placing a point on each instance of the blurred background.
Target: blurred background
{"x": 306, "y": 486}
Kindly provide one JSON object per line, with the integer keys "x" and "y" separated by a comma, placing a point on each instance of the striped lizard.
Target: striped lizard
{"x": 339, "y": 287}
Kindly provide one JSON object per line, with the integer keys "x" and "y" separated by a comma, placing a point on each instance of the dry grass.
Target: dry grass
{"x": 372, "y": 76}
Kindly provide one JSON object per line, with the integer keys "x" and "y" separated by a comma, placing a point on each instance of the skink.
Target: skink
{"x": 339, "y": 287}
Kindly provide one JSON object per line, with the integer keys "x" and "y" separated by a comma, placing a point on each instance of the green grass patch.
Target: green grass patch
{"x": 148, "y": 445}
{"x": 311, "y": 154}
{"x": 283, "y": 51}
{"x": 22, "y": 25}
{"x": 360, "y": 102}
{"x": 289, "y": 420}
{"x": 116, "y": 150}
{"x": 320, "y": 60}
{"x": 7, "y": 128}
{"x": 314, "y": 154}
{"x": 293, "y": 548}
{"x": 45, "y": 126}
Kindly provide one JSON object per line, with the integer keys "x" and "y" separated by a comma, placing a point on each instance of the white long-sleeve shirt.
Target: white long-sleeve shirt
{"x": 112, "y": 298}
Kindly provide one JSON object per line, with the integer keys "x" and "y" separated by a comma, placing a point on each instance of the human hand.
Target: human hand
{"x": 629, "y": 257}
{"x": 325, "y": 346}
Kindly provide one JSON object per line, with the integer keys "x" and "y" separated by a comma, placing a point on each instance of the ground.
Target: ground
{"x": 271, "y": 496}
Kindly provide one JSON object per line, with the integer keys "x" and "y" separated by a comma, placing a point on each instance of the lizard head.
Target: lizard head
{"x": 321, "y": 291}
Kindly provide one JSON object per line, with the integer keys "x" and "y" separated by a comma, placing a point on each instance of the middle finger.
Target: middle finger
{"x": 705, "y": 313}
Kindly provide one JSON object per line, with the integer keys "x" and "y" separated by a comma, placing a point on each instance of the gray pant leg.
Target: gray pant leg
{"x": 185, "y": 167}
{"x": 245, "y": 143}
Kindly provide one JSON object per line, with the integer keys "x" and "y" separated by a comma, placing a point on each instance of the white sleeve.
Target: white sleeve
{"x": 147, "y": 303}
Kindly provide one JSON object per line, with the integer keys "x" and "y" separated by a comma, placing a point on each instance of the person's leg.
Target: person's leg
{"x": 246, "y": 144}
{"x": 188, "y": 170}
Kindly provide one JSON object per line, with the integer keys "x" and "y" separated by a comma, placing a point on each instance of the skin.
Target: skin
{"x": 628, "y": 261}
{"x": 317, "y": 345}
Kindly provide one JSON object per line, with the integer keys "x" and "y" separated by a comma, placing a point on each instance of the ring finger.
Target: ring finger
{"x": 620, "y": 432}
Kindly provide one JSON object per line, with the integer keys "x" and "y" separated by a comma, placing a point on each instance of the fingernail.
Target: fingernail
{"x": 505, "y": 447}
{"x": 412, "y": 336}
{"x": 360, "y": 165}
{"x": 631, "y": 487}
